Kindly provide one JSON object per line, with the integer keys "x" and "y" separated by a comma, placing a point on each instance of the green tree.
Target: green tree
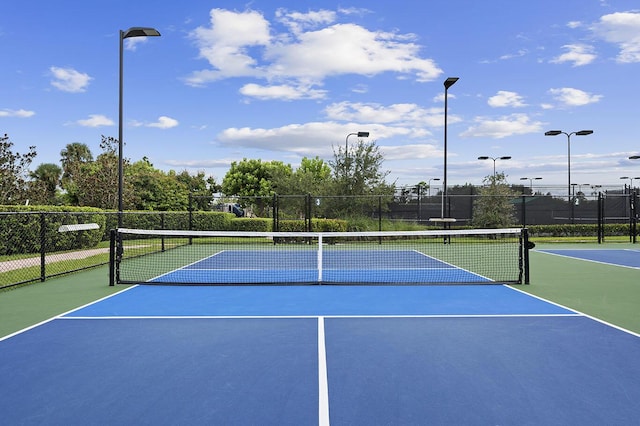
{"x": 154, "y": 189}
{"x": 311, "y": 177}
{"x": 73, "y": 157}
{"x": 44, "y": 184}
{"x": 493, "y": 208}
{"x": 360, "y": 172}
{"x": 13, "y": 172}
{"x": 201, "y": 186}
{"x": 254, "y": 180}
{"x": 95, "y": 183}
{"x": 358, "y": 177}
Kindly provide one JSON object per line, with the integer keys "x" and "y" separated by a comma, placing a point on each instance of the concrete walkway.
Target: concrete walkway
{"x": 11, "y": 265}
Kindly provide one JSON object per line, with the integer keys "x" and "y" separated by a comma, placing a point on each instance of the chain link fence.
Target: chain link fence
{"x": 35, "y": 246}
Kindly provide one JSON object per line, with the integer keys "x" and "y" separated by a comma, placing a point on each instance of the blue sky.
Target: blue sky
{"x": 284, "y": 80}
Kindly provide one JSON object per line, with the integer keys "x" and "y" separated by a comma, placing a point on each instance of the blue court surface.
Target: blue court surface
{"x": 320, "y": 355}
{"x": 295, "y": 266}
{"x": 619, "y": 257}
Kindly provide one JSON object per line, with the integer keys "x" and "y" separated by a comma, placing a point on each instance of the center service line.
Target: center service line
{"x": 323, "y": 387}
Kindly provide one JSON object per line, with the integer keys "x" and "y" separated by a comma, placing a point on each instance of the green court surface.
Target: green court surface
{"x": 607, "y": 292}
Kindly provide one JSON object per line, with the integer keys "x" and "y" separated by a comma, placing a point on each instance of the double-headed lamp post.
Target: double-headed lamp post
{"x": 578, "y": 133}
{"x": 631, "y": 179}
{"x": 484, "y": 157}
{"x": 450, "y": 81}
{"x": 531, "y": 182}
{"x": 131, "y": 32}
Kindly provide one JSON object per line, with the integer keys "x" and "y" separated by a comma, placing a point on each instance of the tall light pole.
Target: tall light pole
{"x": 131, "y": 32}
{"x": 484, "y": 157}
{"x": 429, "y": 185}
{"x": 635, "y": 157}
{"x": 358, "y": 134}
{"x": 346, "y": 149}
{"x": 631, "y": 179}
{"x": 531, "y": 182}
{"x": 450, "y": 81}
{"x": 579, "y": 133}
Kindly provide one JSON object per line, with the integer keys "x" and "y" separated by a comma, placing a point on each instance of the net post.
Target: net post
{"x": 112, "y": 257}
{"x": 320, "y": 258}
{"x": 526, "y": 246}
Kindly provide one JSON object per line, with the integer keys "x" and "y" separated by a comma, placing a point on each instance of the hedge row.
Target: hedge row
{"x": 578, "y": 230}
{"x": 21, "y": 229}
{"x": 20, "y": 226}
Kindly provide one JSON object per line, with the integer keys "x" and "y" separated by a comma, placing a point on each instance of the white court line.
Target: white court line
{"x": 178, "y": 317}
{"x": 62, "y": 314}
{"x": 577, "y": 312}
{"x": 323, "y": 386}
{"x": 452, "y": 266}
{"x": 555, "y": 253}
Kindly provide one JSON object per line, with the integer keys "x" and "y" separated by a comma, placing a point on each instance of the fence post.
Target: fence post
{"x": 600, "y": 229}
{"x": 112, "y": 257}
{"x": 43, "y": 246}
{"x": 524, "y": 211}
{"x": 307, "y": 213}
{"x": 190, "y": 209}
{"x": 633, "y": 215}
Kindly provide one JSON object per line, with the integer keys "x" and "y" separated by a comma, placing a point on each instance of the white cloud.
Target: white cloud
{"x": 410, "y": 152}
{"x": 200, "y": 163}
{"x": 310, "y": 139}
{"x": 96, "y": 120}
{"x": 226, "y": 42}
{"x": 506, "y": 99}
{"x": 578, "y": 54}
{"x": 622, "y": 29}
{"x": 297, "y": 22}
{"x": 132, "y": 43}
{"x": 311, "y": 49}
{"x": 514, "y": 124}
{"x": 164, "y": 123}
{"x": 283, "y": 92}
{"x": 569, "y": 97}
{"x": 402, "y": 114}
{"x": 20, "y": 113}
{"x": 69, "y": 80}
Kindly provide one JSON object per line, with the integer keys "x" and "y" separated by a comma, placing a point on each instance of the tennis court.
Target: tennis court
{"x": 321, "y": 355}
{"x": 471, "y": 354}
{"x": 629, "y": 258}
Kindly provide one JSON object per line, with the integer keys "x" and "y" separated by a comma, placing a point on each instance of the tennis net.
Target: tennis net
{"x": 404, "y": 257}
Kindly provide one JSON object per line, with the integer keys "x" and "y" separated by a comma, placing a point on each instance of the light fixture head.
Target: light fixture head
{"x": 140, "y": 32}
{"x": 584, "y": 132}
{"x": 450, "y": 81}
